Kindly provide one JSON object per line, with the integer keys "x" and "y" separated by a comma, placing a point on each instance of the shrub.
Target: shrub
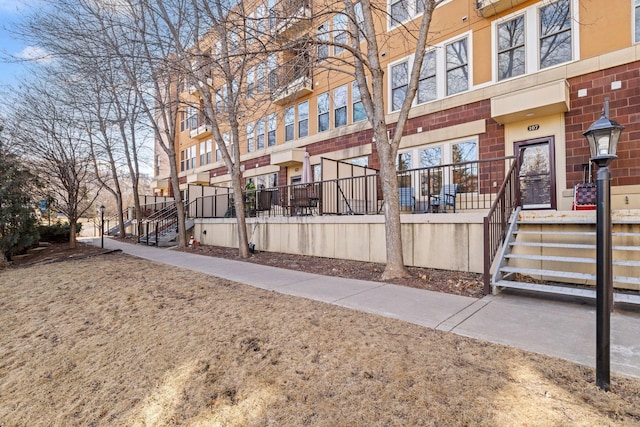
{"x": 57, "y": 233}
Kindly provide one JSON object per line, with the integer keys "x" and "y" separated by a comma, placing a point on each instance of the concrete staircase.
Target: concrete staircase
{"x": 555, "y": 253}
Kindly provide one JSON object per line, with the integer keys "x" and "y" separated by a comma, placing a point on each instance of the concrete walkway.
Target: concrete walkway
{"x": 562, "y": 329}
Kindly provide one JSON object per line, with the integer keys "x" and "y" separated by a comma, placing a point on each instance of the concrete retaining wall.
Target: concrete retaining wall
{"x": 443, "y": 241}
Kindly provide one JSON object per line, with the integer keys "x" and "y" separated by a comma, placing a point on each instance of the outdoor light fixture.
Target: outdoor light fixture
{"x": 102, "y": 208}
{"x": 603, "y": 138}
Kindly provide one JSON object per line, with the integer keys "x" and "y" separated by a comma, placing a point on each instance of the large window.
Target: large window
{"x": 323, "y": 38}
{"x": 636, "y": 12}
{"x": 360, "y": 20}
{"x": 427, "y": 85}
{"x": 250, "y": 138}
{"x": 205, "y": 152}
{"x": 359, "y": 112}
{"x": 260, "y": 78}
{"x": 339, "y": 32}
{"x": 271, "y": 130}
{"x": 555, "y": 33}
{"x": 511, "y": 50}
{"x": 340, "y": 106}
{"x": 399, "y": 11}
{"x": 289, "y": 123}
{"x": 303, "y": 119}
{"x": 457, "y": 67}
{"x": 260, "y": 134}
{"x": 535, "y": 38}
{"x": 323, "y": 112}
{"x": 399, "y": 84}
{"x": 250, "y": 82}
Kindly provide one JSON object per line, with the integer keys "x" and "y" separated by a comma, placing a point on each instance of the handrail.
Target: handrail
{"x": 496, "y": 222}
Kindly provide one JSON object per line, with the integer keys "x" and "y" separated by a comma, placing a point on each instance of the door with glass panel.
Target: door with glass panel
{"x": 536, "y": 173}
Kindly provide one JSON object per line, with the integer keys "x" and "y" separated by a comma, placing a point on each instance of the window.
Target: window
{"x": 323, "y": 37}
{"x": 399, "y": 11}
{"x": 427, "y": 89}
{"x": 266, "y": 181}
{"x": 403, "y": 163}
{"x": 511, "y": 51}
{"x": 273, "y": 13}
{"x": 340, "y": 106}
{"x": 260, "y": 134}
{"x": 261, "y": 14}
{"x": 303, "y": 119}
{"x": 636, "y": 11}
{"x": 233, "y": 43}
{"x": 272, "y": 62}
{"x": 271, "y": 130}
{"x": 359, "y": 161}
{"x": 260, "y": 78}
{"x": 157, "y": 165}
{"x": 218, "y": 49}
{"x": 250, "y": 82}
{"x": 250, "y": 141}
{"x": 535, "y": 38}
{"x": 289, "y": 123}
{"x": 183, "y": 121}
{"x": 431, "y": 179}
{"x": 466, "y": 176}
{"x": 359, "y": 113}
{"x": 188, "y": 158}
{"x": 457, "y": 67}
{"x": 360, "y": 20}
{"x": 323, "y": 112}
{"x": 182, "y": 160}
{"x": 399, "y": 84}
{"x": 249, "y": 26}
{"x": 339, "y": 33}
{"x": 218, "y": 152}
{"x": 555, "y": 33}
{"x": 205, "y": 152}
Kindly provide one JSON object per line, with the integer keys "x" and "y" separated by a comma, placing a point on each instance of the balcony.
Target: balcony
{"x": 488, "y": 8}
{"x": 291, "y": 80}
{"x": 290, "y": 16}
{"x": 200, "y": 132}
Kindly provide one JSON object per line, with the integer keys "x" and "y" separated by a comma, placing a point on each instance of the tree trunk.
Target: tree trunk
{"x": 72, "y": 233}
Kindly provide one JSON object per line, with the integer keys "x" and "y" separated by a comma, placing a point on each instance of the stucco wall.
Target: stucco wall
{"x": 443, "y": 241}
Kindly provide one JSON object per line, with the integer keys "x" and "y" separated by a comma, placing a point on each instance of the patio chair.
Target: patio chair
{"x": 407, "y": 198}
{"x": 447, "y": 197}
{"x": 264, "y": 200}
{"x": 303, "y": 200}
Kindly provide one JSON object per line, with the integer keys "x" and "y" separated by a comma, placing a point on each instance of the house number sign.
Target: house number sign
{"x": 533, "y": 128}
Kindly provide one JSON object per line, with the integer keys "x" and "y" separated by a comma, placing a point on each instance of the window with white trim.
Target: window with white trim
{"x": 427, "y": 85}
{"x": 323, "y": 112}
{"x": 340, "y": 106}
{"x": 457, "y": 67}
{"x": 273, "y": 14}
{"x": 260, "y": 78}
{"x": 190, "y": 157}
{"x": 218, "y": 152}
{"x": 250, "y": 82}
{"x": 323, "y": 37}
{"x": 538, "y": 37}
{"x": 272, "y": 63}
{"x": 250, "y": 138}
{"x": 399, "y": 84}
{"x": 339, "y": 33}
{"x": 289, "y": 123}
{"x": 205, "y": 152}
{"x": 260, "y": 134}
{"x": 261, "y": 14}
{"x": 183, "y": 121}
{"x": 636, "y": 13}
{"x": 358, "y": 111}
{"x": 399, "y": 11}
{"x": 250, "y": 29}
{"x": 271, "y": 130}
{"x": 357, "y": 8}
{"x": 303, "y": 119}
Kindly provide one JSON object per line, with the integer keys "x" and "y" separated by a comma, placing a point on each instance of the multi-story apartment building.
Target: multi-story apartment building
{"x": 501, "y": 77}
{"x": 503, "y": 82}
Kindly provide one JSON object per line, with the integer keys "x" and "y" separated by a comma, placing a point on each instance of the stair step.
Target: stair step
{"x": 573, "y": 233}
{"x": 582, "y": 260}
{"x": 567, "y": 290}
{"x": 571, "y": 246}
{"x": 567, "y": 274}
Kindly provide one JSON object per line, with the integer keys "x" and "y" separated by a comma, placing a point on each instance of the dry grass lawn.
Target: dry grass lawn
{"x": 117, "y": 341}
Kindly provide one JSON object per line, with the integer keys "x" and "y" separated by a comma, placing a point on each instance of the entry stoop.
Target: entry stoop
{"x": 555, "y": 253}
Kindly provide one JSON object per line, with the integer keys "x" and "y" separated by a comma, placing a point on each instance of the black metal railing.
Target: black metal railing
{"x": 496, "y": 222}
{"x": 452, "y": 187}
{"x": 294, "y": 70}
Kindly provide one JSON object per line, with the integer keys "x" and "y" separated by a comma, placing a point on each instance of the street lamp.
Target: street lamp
{"x": 603, "y": 137}
{"x": 102, "y": 208}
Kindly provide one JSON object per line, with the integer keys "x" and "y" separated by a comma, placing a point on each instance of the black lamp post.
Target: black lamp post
{"x": 603, "y": 138}
{"x": 102, "y": 208}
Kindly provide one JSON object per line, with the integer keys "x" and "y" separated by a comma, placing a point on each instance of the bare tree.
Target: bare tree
{"x": 57, "y": 149}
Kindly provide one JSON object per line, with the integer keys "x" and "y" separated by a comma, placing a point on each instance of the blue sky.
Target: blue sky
{"x": 10, "y": 12}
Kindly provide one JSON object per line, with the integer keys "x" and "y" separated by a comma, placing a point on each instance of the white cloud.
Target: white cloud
{"x": 35, "y": 54}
